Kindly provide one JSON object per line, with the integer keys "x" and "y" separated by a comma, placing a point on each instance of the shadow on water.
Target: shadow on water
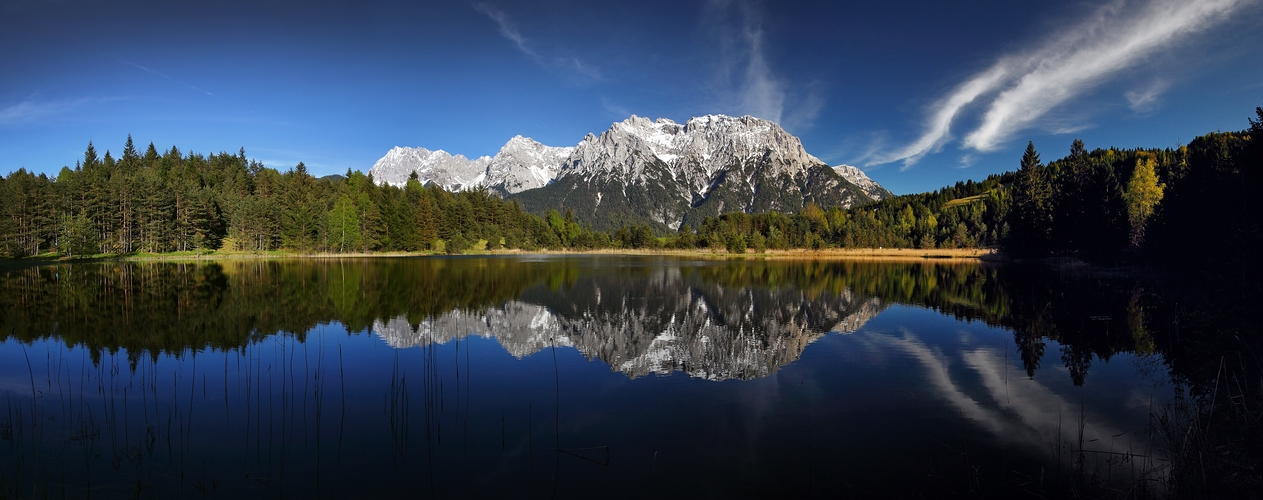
{"x": 150, "y": 380}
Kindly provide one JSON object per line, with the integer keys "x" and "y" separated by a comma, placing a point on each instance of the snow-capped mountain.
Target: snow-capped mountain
{"x": 640, "y": 170}
{"x": 694, "y": 152}
{"x": 671, "y": 174}
{"x": 524, "y": 163}
{"x": 521, "y": 164}
{"x": 440, "y": 167}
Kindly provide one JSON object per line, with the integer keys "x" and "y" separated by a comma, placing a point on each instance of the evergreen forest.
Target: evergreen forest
{"x": 1188, "y": 202}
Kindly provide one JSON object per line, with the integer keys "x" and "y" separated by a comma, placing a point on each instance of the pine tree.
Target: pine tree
{"x": 129, "y": 152}
{"x": 299, "y": 212}
{"x": 427, "y": 218}
{"x": 90, "y": 159}
{"x": 1030, "y": 219}
{"x": 1071, "y": 200}
{"x": 370, "y": 220}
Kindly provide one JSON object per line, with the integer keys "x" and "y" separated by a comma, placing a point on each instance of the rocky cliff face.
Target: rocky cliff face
{"x": 671, "y": 322}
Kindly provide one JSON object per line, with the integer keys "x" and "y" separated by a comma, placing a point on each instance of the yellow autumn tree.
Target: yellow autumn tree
{"x": 1143, "y": 194}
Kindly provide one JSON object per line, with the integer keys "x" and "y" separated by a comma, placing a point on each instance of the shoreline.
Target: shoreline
{"x": 868, "y": 254}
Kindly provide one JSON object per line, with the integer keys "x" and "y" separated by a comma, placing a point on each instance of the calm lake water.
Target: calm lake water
{"x": 572, "y": 377}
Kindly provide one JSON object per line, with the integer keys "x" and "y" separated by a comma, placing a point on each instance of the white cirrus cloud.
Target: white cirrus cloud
{"x": 166, "y": 76}
{"x": 31, "y": 109}
{"x": 1021, "y": 88}
{"x": 940, "y": 121}
{"x": 1146, "y": 99}
{"x": 747, "y": 82}
{"x": 585, "y": 72}
{"x": 508, "y": 29}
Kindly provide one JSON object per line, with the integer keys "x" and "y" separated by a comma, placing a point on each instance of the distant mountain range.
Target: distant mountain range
{"x": 520, "y": 165}
{"x": 642, "y": 171}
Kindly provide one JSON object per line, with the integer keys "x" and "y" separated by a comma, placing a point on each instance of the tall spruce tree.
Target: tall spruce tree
{"x": 299, "y": 213}
{"x": 1030, "y": 223}
{"x": 1071, "y": 205}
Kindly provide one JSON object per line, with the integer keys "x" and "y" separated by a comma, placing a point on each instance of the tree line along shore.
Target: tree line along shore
{"x": 479, "y": 250}
{"x": 1104, "y": 204}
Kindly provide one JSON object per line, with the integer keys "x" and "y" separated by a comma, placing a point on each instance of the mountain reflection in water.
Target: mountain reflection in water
{"x": 485, "y": 377}
{"x": 672, "y": 321}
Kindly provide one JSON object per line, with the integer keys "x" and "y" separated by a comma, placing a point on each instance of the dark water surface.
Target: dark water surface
{"x": 572, "y": 377}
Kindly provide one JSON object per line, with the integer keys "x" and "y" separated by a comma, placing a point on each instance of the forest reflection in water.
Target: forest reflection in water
{"x": 535, "y": 375}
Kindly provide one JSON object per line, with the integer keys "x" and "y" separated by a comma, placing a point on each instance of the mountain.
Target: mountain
{"x": 670, "y": 174}
{"x": 521, "y": 164}
{"x": 642, "y": 171}
{"x": 452, "y": 173}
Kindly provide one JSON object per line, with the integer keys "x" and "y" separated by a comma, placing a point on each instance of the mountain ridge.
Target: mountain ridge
{"x": 648, "y": 171}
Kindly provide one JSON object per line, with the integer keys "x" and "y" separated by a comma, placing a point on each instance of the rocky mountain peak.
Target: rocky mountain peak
{"x": 524, "y": 163}
{"x": 661, "y": 170}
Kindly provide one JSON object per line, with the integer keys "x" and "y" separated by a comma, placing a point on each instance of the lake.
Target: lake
{"x": 578, "y": 376}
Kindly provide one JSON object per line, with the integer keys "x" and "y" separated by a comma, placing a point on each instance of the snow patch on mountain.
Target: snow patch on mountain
{"x": 694, "y": 153}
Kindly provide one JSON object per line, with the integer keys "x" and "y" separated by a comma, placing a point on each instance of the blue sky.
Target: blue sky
{"x": 918, "y": 93}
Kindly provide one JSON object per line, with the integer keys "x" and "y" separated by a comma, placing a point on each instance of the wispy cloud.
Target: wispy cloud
{"x": 587, "y": 70}
{"x": 510, "y": 31}
{"x": 761, "y": 93}
{"x": 1019, "y": 89}
{"x": 802, "y": 112}
{"x": 614, "y": 108}
{"x": 1146, "y": 99}
{"x": 967, "y": 161}
{"x": 31, "y": 109}
{"x": 508, "y": 28}
{"x": 166, "y": 76}
{"x": 940, "y": 122}
{"x": 747, "y": 80}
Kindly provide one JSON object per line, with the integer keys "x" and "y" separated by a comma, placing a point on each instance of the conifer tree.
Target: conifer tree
{"x": 129, "y": 152}
{"x": 89, "y": 157}
{"x": 1031, "y": 217}
{"x": 299, "y": 212}
{"x": 1071, "y": 202}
